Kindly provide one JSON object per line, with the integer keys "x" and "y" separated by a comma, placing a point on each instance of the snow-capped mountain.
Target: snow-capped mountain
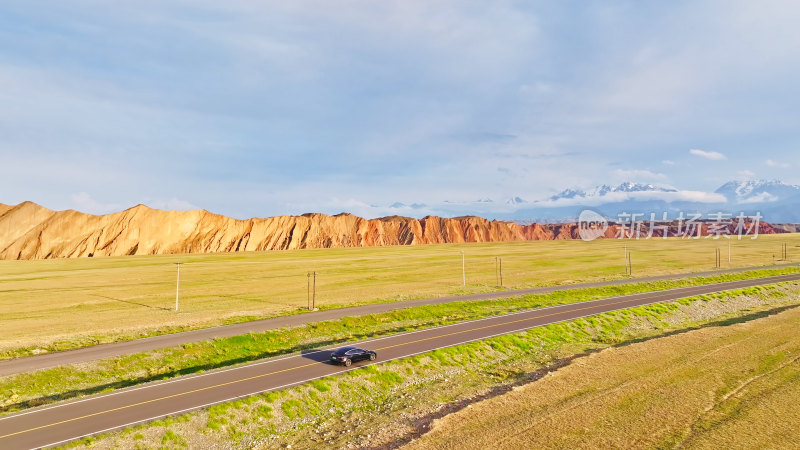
{"x": 569, "y": 193}
{"x": 605, "y": 189}
{"x": 514, "y": 201}
{"x": 776, "y": 201}
{"x": 757, "y": 191}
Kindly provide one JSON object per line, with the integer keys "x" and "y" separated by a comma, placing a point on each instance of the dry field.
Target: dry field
{"x": 718, "y": 387}
{"x": 103, "y": 299}
{"x": 390, "y": 404}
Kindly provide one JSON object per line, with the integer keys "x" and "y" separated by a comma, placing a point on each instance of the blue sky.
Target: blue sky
{"x": 255, "y": 108}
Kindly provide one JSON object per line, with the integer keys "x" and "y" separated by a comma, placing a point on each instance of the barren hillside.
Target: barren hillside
{"x": 30, "y": 231}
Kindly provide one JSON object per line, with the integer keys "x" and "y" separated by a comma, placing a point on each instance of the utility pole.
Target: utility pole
{"x": 729, "y": 252}
{"x": 496, "y": 273}
{"x": 463, "y": 270}
{"x": 501, "y": 272}
{"x": 312, "y": 290}
{"x": 630, "y": 265}
{"x": 178, "y": 286}
{"x": 625, "y": 250}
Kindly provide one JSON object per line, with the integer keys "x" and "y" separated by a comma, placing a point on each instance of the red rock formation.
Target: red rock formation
{"x": 29, "y": 231}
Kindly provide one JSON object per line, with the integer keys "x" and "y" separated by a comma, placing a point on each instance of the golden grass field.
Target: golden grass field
{"x": 48, "y": 301}
{"x": 716, "y": 387}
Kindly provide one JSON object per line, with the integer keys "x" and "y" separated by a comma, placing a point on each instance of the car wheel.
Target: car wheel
{"x": 372, "y": 356}
{"x": 347, "y": 362}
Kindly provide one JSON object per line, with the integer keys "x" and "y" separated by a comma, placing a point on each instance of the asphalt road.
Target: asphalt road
{"x": 27, "y": 364}
{"x": 48, "y": 426}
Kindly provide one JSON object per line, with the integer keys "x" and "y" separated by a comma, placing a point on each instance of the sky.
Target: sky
{"x": 255, "y": 109}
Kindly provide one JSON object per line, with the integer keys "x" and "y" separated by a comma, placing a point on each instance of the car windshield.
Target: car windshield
{"x": 343, "y": 350}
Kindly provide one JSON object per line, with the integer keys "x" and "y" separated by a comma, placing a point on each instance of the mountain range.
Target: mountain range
{"x": 30, "y": 231}
{"x": 777, "y": 202}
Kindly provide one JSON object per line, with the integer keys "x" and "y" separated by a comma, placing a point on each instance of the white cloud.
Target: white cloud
{"x": 638, "y": 175}
{"x": 170, "y": 204}
{"x": 253, "y": 96}
{"x": 356, "y": 207}
{"x": 84, "y": 202}
{"x": 714, "y": 156}
{"x": 763, "y": 197}
{"x": 615, "y": 197}
{"x": 772, "y": 163}
{"x": 633, "y": 90}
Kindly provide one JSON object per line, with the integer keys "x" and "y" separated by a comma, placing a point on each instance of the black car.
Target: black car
{"x": 349, "y": 355}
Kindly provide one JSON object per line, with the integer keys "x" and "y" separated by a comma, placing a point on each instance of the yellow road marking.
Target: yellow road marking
{"x": 156, "y": 400}
{"x": 300, "y": 367}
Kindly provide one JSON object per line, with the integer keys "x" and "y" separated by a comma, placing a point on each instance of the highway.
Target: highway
{"x": 52, "y": 425}
{"x": 27, "y": 364}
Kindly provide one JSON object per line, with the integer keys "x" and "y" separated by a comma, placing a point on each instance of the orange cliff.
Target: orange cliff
{"x": 30, "y": 231}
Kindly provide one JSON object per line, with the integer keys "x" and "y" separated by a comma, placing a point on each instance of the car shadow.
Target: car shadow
{"x": 323, "y": 356}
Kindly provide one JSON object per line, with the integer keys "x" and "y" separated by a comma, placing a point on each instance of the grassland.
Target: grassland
{"x": 57, "y": 304}
{"x": 66, "y": 382}
{"x": 729, "y": 387}
{"x": 391, "y": 403}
